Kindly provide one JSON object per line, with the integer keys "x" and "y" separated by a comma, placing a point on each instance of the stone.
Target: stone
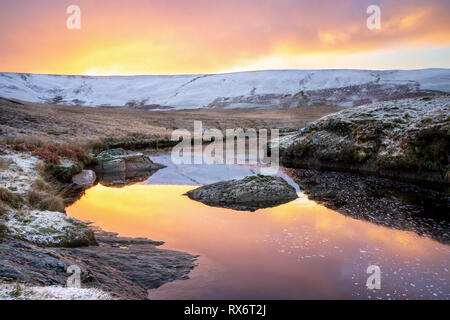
{"x": 407, "y": 140}
{"x": 85, "y": 178}
{"x": 119, "y": 160}
{"x": 248, "y": 194}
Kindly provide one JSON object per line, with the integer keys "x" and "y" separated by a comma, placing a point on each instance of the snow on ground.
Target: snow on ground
{"x": 26, "y": 292}
{"x": 20, "y": 173}
{"x": 232, "y": 90}
{"x": 45, "y": 228}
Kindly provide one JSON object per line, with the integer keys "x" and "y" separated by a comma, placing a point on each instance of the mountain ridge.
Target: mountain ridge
{"x": 247, "y": 89}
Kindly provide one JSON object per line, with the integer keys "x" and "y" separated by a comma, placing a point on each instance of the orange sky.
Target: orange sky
{"x": 200, "y": 36}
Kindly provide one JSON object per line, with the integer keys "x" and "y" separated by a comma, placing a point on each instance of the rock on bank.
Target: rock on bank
{"x": 405, "y": 139}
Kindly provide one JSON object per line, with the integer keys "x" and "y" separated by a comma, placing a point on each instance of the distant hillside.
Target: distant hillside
{"x": 264, "y": 89}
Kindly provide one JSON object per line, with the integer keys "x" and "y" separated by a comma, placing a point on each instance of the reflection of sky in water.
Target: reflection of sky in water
{"x": 298, "y": 250}
{"x": 294, "y": 251}
{"x": 201, "y": 174}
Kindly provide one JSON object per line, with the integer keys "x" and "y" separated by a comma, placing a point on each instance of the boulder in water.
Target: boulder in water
{"x": 249, "y": 194}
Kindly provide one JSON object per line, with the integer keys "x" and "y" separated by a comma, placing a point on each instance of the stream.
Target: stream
{"x": 298, "y": 250}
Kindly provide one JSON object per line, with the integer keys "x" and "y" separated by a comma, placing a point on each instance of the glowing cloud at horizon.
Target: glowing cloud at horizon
{"x": 200, "y": 36}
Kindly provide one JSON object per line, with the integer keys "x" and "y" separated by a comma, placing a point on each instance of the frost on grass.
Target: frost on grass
{"x": 408, "y": 134}
{"x": 44, "y": 228}
{"x": 19, "y": 173}
{"x": 50, "y": 229}
{"x": 25, "y": 292}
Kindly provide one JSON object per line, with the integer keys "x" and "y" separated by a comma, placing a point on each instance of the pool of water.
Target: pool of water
{"x": 298, "y": 250}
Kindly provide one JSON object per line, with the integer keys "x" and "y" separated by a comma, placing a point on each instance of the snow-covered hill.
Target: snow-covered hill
{"x": 268, "y": 89}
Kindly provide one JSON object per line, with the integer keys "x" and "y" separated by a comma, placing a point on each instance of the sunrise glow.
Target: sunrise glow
{"x": 199, "y": 36}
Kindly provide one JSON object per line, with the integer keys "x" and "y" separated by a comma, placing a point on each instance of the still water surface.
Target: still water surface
{"x": 299, "y": 250}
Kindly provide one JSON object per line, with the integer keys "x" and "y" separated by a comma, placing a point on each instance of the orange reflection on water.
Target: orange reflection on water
{"x": 288, "y": 248}
{"x": 159, "y": 211}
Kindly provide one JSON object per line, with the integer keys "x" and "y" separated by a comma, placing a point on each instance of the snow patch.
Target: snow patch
{"x": 25, "y": 292}
{"x": 47, "y": 228}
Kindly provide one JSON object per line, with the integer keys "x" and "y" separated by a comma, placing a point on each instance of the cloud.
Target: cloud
{"x": 190, "y": 36}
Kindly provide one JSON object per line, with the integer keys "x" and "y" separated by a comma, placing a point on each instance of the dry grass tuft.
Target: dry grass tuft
{"x": 46, "y": 155}
{"x": 29, "y": 140}
{"x": 3, "y": 230}
{"x": 3, "y": 211}
{"x": 5, "y": 163}
{"x": 33, "y": 198}
{"x": 51, "y": 154}
{"x": 40, "y": 197}
{"x": 52, "y": 203}
{"x": 41, "y": 185}
{"x": 12, "y": 199}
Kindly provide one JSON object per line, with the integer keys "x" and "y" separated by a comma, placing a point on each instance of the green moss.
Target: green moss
{"x": 299, "y": 150}
{"x": 431, "y": 147}
{"x": 346, "y": 154}
{"x": 338, "y": 127}
{"x": 403, "y": 161}
{"x": 45, "y": 230}
{"x": 258, "y": 176}
{"x": 361, "y": 155}
{"x": 22, "y": 218}
{"x": 77, "y": 235}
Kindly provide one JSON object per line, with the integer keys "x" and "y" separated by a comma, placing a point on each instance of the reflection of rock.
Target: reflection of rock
{"x": 249, "y": 194}
{"x": 85, "y": 178}
{"x": 382, "y": 201}
{"x": 120, "y": 167}
{"x": 124, "y": 178}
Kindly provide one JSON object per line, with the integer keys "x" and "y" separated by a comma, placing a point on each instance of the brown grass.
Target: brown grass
{"x": 3, "y": 230}
{"x": 5, "y": 163}
{"x": 87, "y": 128}
{"x": 40, "y": 184}
{"x": 52, "y": 203}
{"x": 50, "y": 153}
{"x": 12, "y": 199}
{"x": 33, "y": 198}
{"x": 42, "y": 196}
{"x": 3, "y": 211}
{"x": 51, "y": 132}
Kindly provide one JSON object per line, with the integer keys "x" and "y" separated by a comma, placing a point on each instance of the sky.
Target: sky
{"x": 210, "y": 36}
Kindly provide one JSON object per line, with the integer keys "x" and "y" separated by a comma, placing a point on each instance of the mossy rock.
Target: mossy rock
{"x": 432, "y": 148}
{"x": 61, "y": 173}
